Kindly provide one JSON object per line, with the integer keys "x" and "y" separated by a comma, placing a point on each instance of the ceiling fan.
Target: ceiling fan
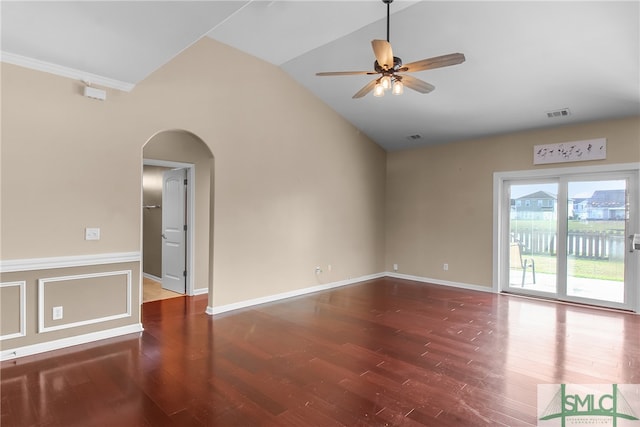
{"x": 390, "y": 68}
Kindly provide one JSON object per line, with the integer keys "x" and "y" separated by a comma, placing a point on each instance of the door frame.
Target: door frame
{"x": 500, "y": 225}
{"x": 190, "y": 218}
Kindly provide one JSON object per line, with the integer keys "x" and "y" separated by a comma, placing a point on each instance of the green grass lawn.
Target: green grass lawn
{"x": 586, "y": 268}
{"x": 577, "y": 267}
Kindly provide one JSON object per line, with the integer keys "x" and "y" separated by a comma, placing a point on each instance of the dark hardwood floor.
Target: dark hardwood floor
{"x": 384, "y": 352}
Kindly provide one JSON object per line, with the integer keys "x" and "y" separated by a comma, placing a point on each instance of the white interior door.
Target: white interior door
{"x": 174, "y": 230}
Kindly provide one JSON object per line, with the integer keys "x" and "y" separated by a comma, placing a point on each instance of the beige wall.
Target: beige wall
{"x": 440, "y": 199}
{"x": 296, "y": 186}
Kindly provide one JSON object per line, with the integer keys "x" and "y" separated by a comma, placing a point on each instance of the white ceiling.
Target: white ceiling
{"x": 523, "y": 59}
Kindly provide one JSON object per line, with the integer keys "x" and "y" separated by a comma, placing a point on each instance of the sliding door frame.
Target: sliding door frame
{"x": 501, "y": 216}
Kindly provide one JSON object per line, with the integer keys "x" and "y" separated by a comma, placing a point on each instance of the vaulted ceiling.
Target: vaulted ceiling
{"x": 523, "y": 59}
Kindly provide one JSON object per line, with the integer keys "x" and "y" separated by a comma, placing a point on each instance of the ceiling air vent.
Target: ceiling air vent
{"x": 414, "y": 137}
{"x": 558, "y": 113}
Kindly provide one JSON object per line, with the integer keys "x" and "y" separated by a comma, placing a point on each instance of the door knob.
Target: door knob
{"x": 164, "y": 236}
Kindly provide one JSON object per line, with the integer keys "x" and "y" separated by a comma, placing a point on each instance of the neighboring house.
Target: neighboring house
{"x": 580, "y": 208}
{"x": 540, "y": 205}
{"x": 606, "y": 204}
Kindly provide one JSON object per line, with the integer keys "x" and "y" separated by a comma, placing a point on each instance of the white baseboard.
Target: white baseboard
{"x": 440, "y": 282}
{"x": 199, "y": 291}
{"x": 68, "y": 342}
{"x": 152, "y": 277}
{"x": 298, "y": 292}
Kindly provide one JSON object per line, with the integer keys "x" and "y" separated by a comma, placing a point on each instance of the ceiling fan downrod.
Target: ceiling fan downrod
{"x": 387, "y": 2}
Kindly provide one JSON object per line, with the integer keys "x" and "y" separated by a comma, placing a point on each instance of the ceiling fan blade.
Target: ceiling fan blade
{"x": 365, "y": 90}
{"x": 417, "y": 84}
{"x": 435, "y": 62}
{"x": 344, "y": 73}
{"x": 383, "y": 52}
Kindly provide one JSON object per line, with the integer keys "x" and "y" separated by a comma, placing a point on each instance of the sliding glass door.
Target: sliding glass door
{"x": 596, "y": 230}
{"x": 566, "y": 238}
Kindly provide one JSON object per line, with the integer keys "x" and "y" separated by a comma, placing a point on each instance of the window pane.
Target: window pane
{"x": 596, "y": 239}
{"x": 533, "y": 233}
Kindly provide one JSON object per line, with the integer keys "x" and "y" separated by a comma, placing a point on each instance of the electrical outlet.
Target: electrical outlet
{"x": 445, "y": 267}
{"x": 395, "y": 267}
{"x": 318, "y": 270}
{"x": 91, "y": 233}
{"x": 57, "y": 313}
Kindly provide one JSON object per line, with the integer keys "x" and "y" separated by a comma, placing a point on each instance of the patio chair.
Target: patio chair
{"x": 517, "y": 261}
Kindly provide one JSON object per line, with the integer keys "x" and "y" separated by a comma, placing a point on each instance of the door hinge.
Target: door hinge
{"x": 184, "y": 273}
{"x": 185, "y": 181}
{"x": 185, "y": 227}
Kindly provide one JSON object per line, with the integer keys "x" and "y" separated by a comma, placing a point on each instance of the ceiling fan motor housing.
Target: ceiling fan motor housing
{"x": 397, "y": 63}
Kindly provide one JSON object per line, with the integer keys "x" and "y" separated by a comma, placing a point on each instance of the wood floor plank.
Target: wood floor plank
{"x": 386, "y": 352}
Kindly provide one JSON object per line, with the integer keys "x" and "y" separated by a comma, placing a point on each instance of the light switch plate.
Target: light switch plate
{"x": 91, "y": 233}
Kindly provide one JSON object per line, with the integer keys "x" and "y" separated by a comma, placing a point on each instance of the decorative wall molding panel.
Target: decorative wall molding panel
{"x": 43, "y": 314}
{"x": 22, "y": 310}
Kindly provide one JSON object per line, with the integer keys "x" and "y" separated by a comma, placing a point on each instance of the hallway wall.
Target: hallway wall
{"x": 296, "y": 186}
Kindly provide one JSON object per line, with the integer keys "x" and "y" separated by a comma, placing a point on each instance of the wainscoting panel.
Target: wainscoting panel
{"x": 13, "y": 317}
{"x": 83, "y": 299}
{"x": 95, "y": 297}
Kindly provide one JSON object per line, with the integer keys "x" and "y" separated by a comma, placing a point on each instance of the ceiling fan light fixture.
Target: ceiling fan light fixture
{"x": 378, "y": 90}
{"x": 385, "y": 81}
{"x": 398, "y": 88}
{"x": 389, "y": 68}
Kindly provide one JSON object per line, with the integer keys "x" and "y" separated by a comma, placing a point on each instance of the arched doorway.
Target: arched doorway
{"x": 180, "y": 149}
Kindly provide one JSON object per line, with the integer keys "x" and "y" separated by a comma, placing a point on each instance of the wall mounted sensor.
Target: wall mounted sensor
{"x": 94, "y": 93}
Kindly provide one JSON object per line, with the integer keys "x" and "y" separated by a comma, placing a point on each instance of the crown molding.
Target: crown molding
{"x": 72, "y": 73}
